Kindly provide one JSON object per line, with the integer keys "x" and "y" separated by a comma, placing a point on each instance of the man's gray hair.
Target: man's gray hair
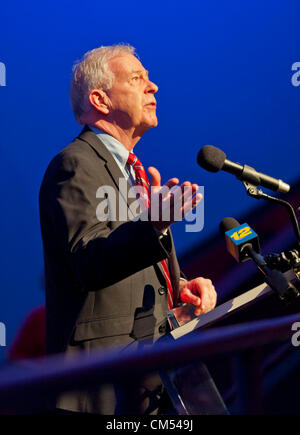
{"x": 92, "y": 72}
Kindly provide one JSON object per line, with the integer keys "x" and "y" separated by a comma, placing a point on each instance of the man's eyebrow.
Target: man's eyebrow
{"x": 141, "y": 71}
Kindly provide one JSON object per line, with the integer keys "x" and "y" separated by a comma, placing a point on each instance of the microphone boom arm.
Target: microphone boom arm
{"x": 254, "y": 192}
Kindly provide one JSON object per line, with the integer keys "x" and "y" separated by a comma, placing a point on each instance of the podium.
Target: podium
{"x": 191, "y": 388}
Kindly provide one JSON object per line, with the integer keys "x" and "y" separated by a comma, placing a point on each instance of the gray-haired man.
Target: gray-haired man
{"x": 105, "y": 284}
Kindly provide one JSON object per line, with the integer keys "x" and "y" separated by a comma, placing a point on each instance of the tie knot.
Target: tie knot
{"x": 133, "y": 161}
{"x": 141, "y": 177}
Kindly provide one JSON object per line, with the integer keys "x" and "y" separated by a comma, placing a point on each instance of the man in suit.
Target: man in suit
{"x": 106, "y": 282}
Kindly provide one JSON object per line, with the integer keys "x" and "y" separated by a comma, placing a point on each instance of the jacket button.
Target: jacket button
{"x": 162, "y": 329}
{"x": 162, "y": 290}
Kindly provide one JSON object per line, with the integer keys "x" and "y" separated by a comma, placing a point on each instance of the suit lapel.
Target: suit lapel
{"x": 111, "y": 166}
{"x": 91, "y": 138}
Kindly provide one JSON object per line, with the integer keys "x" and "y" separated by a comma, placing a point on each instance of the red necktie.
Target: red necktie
{"x": 141, "y": 179}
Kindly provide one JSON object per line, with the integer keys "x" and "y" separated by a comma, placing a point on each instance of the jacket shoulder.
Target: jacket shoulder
{"x": 76, "y": 157}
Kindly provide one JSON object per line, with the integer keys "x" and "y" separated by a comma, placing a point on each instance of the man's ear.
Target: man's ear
{"x": 99, "y": 101}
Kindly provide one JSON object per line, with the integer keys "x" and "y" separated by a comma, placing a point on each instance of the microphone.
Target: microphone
{"x": 242, "y": 243}
{"x": 213, "y": 159}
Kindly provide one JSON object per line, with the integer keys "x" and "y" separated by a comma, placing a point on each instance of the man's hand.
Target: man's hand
{"x": 199, "y": 292}
{"x": 168, "y": 203}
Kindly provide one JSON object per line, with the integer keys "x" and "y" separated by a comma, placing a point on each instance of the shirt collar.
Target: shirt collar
{"x": 119, "y": 152}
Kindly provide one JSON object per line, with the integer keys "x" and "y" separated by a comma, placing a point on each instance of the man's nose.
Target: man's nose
{"x": 152, "y": 87}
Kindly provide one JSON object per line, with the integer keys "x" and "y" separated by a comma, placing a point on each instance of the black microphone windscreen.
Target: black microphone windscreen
{"x": 211, "y": 158}
{"x": 227, "y": 224}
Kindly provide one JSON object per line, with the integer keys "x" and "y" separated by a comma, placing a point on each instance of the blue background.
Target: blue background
{"x": 224, "y": 74}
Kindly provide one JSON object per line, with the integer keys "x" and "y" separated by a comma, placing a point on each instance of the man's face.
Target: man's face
{"x": 133, "y": 105}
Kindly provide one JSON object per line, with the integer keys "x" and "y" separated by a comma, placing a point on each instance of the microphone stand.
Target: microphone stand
{"x": 274, "y": 264}
{"x": 254, "y": 192}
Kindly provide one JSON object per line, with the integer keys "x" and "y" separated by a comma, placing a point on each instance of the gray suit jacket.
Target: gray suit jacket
{"x": 103, "y": 279}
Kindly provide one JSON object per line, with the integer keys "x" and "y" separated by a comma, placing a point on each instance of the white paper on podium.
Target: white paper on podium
{"x": 184, "y": 321}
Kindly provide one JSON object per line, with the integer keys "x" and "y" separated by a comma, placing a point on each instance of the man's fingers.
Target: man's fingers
{"x": 155, "y": 176}
{"x": 172, "y": 183}
{"x": 201, "y": 293}
{"x": 198, "y": 311}
{"x": 208, "y": 294}
{"x": 182, "y": 202}
{"x": 191, "y": 204}
{"x": 186, "y": 197}
{"x": 197, "y": 198}
{"x": 172, "y": 201}
{"x": 188, "y": 296}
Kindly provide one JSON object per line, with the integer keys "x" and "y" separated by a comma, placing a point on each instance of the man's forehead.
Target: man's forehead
{"x": 126, "y": 64}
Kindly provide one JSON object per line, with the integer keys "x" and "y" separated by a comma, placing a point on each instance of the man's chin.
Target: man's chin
{"x": 146, "y": 126}
{"x": 153, "y": 123}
